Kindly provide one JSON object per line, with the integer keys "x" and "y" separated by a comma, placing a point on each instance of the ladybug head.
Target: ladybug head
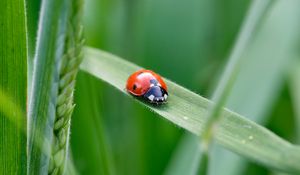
{"x": 156, "y": 94}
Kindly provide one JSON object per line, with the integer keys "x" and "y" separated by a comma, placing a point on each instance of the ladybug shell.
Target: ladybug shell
{"x": 139, "y": 82}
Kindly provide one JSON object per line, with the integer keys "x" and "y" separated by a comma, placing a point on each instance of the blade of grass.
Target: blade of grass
{"x": 295, "y": 91}
{"x": 13, "y": 82}
{"x": 188, "y": 110}
{"x": 41, "y": 114}
{"x": 258, "y": 85}
{"x": 255, "y": 89}
{"x": 32, "y": 12}
{"x": 220, "y": 96}
{"x": 224, "y": 87}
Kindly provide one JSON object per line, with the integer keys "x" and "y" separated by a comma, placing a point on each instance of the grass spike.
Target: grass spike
{"x": 64, "y": 107}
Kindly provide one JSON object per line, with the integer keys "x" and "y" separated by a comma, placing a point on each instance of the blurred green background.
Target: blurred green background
{"x": 187, "y": 42}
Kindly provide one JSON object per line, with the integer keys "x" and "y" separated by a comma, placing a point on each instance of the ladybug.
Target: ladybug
{"x": 147, "y": 85}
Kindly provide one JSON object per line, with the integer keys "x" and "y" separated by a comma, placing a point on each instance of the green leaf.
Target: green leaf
{"x": 188, "y": 110}
{"x": 41, "y": 114}
{"x": 13, "y": 82}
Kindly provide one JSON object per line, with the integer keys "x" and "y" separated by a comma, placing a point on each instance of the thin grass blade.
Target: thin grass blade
{"x": 32, "y": 13}
{"x": 258, "y": 85}
{"x": 295, "y": 91}
{"x": 224, "y": 87}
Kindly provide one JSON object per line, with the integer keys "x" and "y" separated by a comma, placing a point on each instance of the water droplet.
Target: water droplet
{"x": 243, "y": 141}
{"x": 250, "y": 137}
{"x": 185, "y": 118}
{"x": 247, "y": 126}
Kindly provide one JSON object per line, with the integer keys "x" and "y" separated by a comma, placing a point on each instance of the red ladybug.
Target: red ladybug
{"x": 148, "y": 85}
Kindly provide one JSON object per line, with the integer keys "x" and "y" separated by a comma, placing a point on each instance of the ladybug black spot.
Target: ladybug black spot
{"x": 134, "y": 87}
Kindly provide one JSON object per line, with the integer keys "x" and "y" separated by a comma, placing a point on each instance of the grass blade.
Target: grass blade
{"x": 295, "y": 91}
{"x": 256, "y": 12}
{"x": 13, "y": 82}
{"x": 41, "y": 114}
{"x": 220, "y": 96}
{"x": 32, "y": 13}
{"x": 256, "y": 89}
{"x": 188, "y": 110}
